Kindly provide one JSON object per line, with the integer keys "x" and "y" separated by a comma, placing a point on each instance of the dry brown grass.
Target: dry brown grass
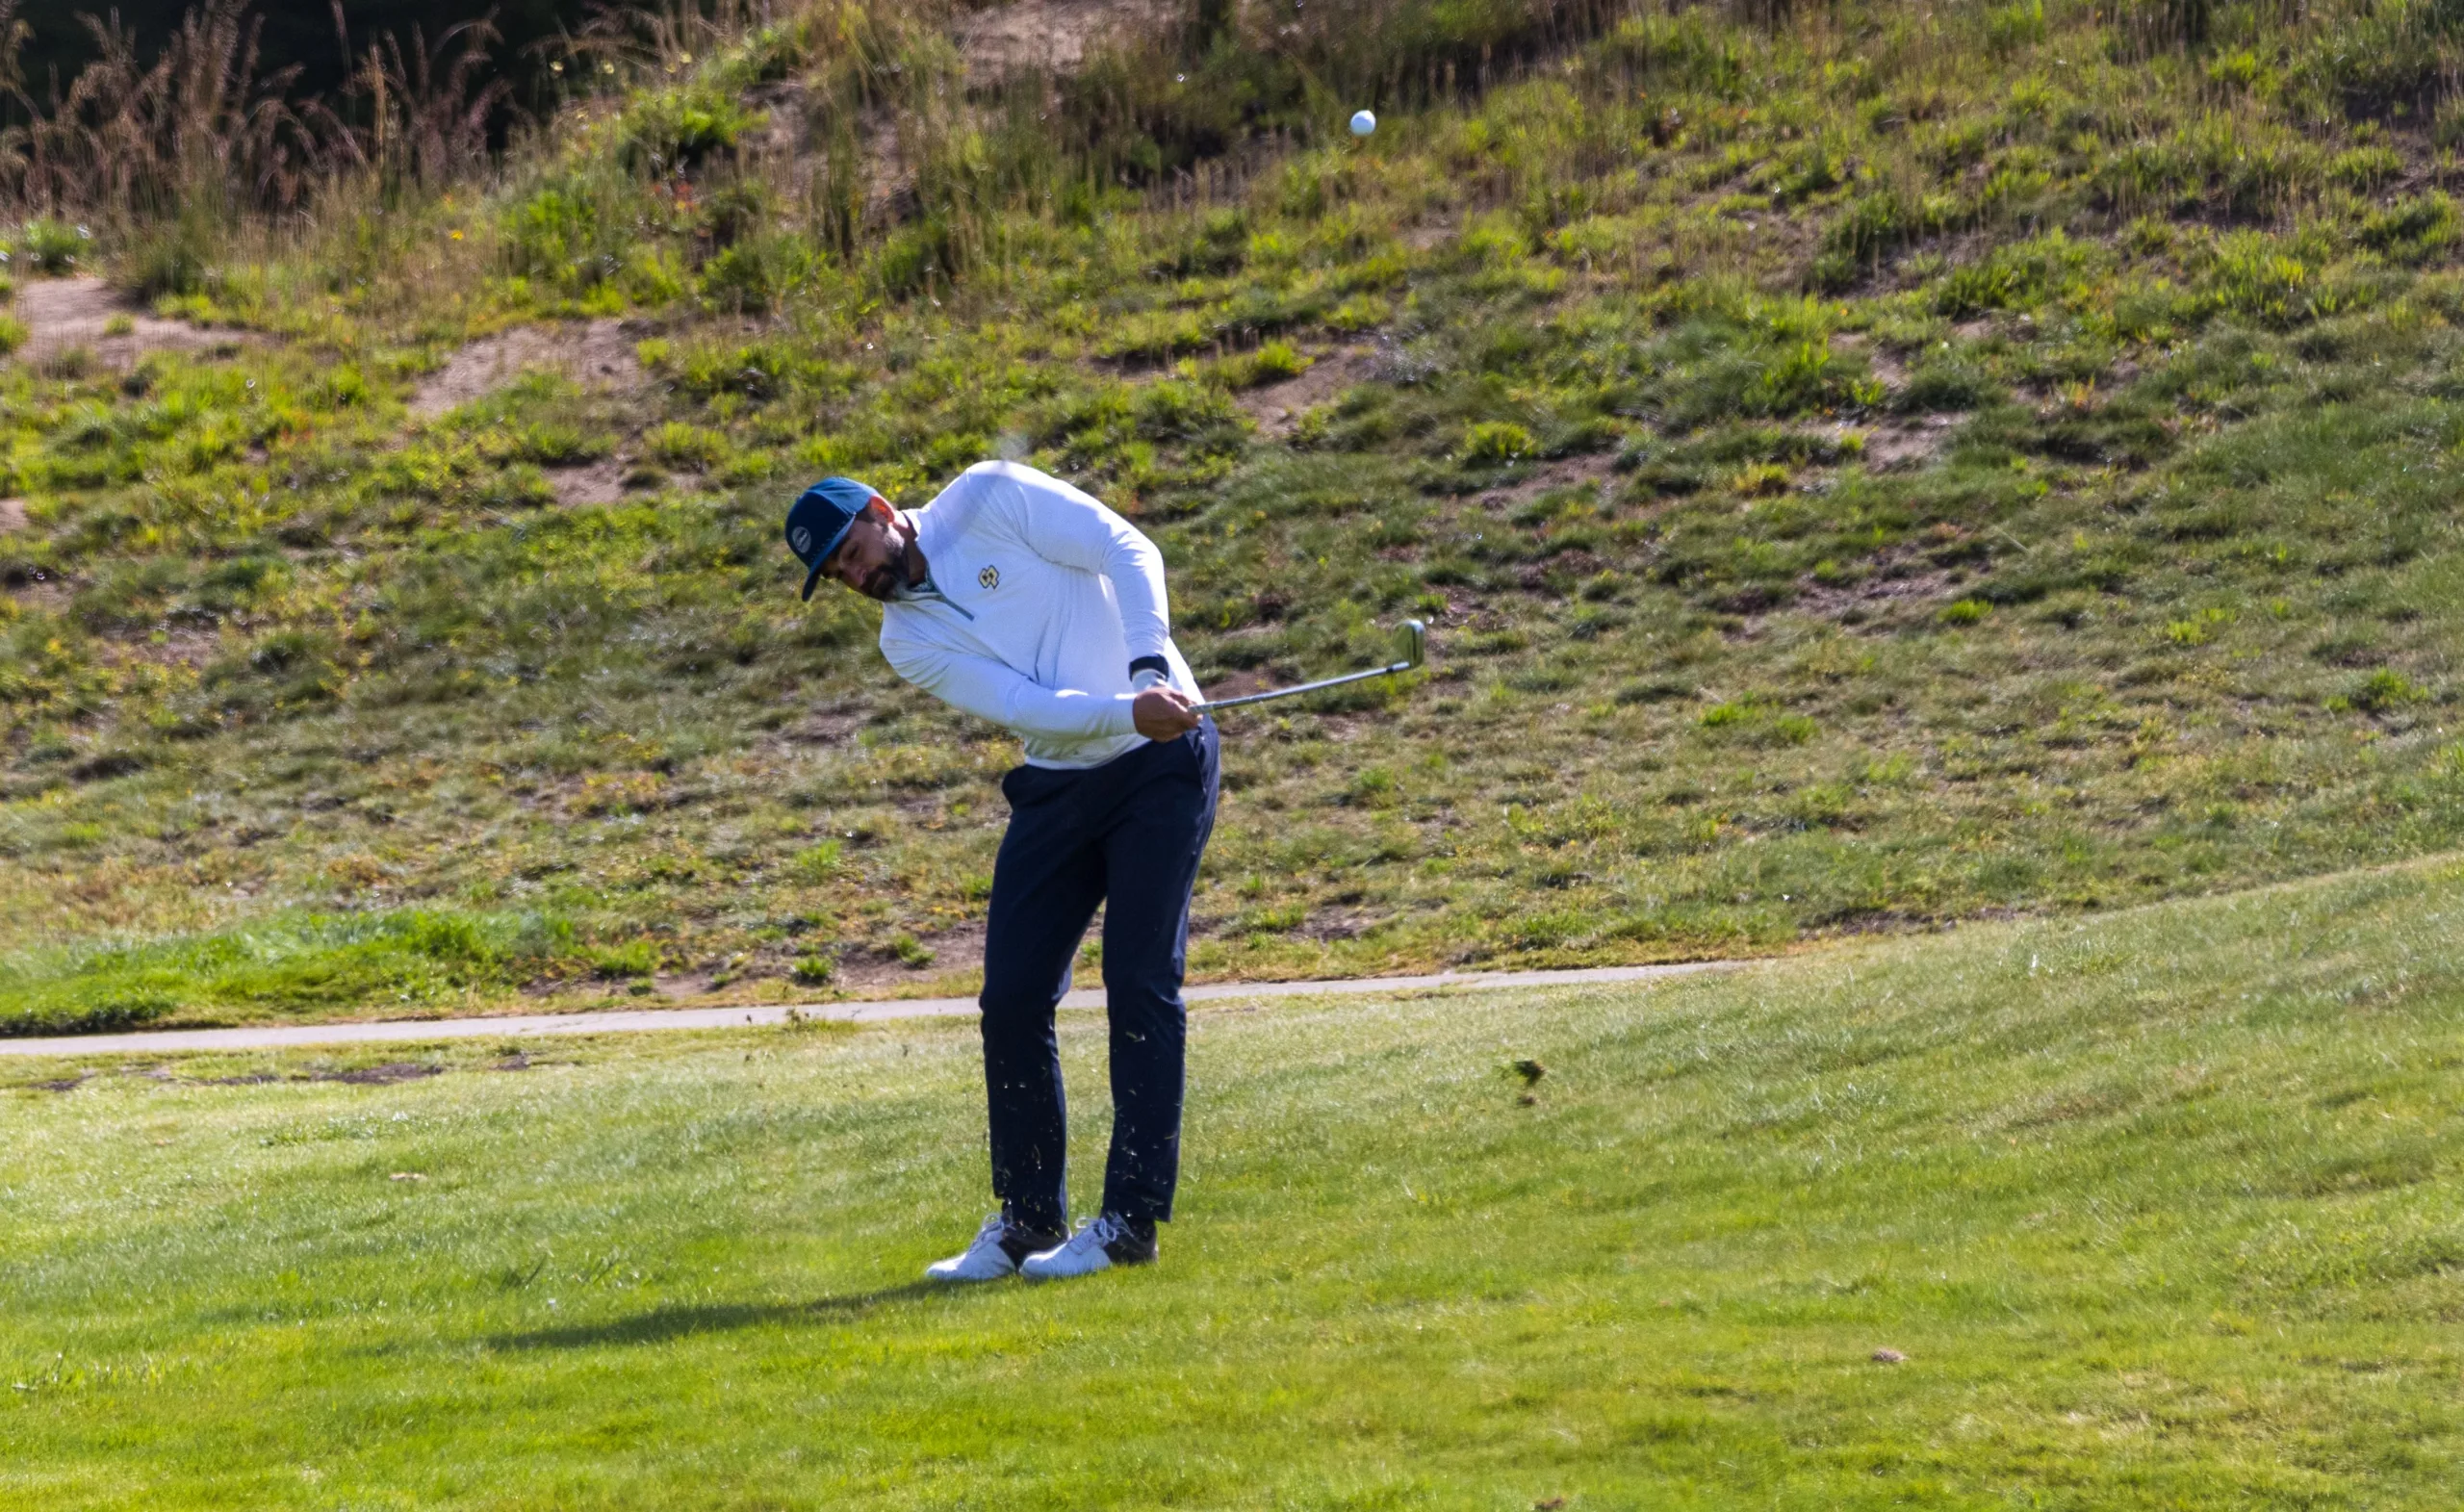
{"x": 202, "y": 128}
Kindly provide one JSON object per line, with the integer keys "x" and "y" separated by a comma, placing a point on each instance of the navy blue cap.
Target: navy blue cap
{"x": 818, "y": 521}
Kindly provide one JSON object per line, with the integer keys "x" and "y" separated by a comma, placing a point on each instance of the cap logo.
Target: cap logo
{"x": 990, "y": 578}
{"x": 802, "y": 541}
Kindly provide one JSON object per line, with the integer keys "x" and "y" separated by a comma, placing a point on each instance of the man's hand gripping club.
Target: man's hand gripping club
{"x": 1163, "y": 713}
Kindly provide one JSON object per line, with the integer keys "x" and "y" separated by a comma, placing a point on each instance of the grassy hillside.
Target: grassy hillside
{"x": 2158, "y": 1210}
{"x": 1873, "y": 467}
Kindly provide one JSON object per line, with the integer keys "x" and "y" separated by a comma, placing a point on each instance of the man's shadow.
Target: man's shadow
{"x": 662, "y": 1323}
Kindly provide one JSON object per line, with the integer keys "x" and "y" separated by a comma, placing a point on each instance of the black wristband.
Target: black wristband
{"x": 1154, "y": 664}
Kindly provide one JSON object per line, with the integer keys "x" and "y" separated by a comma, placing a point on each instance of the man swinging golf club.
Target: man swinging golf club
{"x": 1024, "y": 601}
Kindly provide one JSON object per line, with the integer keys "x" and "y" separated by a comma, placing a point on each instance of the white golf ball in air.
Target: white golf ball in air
{"x": 1363, "y": 122}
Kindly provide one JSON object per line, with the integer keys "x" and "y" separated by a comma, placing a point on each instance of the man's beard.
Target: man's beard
{"x": 886, "y": 579}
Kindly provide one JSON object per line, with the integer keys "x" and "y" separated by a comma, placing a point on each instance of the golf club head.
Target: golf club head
{"x": 1411, "y": 644}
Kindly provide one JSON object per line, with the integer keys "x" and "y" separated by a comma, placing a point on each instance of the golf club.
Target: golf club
{"x": 1411, "y": 647}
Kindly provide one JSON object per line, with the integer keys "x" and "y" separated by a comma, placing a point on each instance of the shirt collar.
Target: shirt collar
{"x": 912, "y": 592}
{"x": 928, "y": 534}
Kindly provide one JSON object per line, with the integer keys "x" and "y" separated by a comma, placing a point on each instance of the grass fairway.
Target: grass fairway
{"x": 2161, "y": 1208}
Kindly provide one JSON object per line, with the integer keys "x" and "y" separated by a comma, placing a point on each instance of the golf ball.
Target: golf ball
{"x": 1363, "y": 122}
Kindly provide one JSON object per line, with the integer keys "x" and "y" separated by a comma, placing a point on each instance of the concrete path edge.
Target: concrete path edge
{"x": 414, "y": 1031}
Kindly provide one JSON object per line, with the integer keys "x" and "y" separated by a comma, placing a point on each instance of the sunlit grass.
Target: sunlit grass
{"x": 2158, "y": 1209}
{"x": 407, "y": 961}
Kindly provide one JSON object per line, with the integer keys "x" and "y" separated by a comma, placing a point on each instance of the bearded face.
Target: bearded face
{"x": 886, "y": 579}
{"x": 876, "y": 558}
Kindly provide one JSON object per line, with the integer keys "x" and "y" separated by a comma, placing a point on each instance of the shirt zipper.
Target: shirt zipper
{"x": 931, "y": 594}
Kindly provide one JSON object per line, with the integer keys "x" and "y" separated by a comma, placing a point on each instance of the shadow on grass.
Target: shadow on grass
{"x": 662, "y": 1323}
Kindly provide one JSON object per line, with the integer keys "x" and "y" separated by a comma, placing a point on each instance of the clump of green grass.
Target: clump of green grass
{"x": 2383, "y": 691}
{"x": 408, "y": 959}
{"x": 1498, "y": 441}
{"x": 1275, "y": 362}
{"x": 820, "y": 863}
{"x": 632, "y": 959}
{"x": 684, "y": 445}
{"x": 52, "y": 247}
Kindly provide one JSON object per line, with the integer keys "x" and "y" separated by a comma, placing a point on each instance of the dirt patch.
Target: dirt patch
{"x": 828, "y": 727}
{"x": 1279, "y": 407}
{"x": 44, "y": 593}
{"x": 1551, "y": 574}
{"x": 1463, "y": 606}
{"x": 1336, "y": 924}
{"x": 683, "y": 988}
{"x": 602, "y": 483}
{"x": 785, "y": 116}
{"x": 183, "y": 648}
{"x": 1238, "y": 684}
{"x": 790, "y": 136}
{"x": 958, "y": 948}
{"x": 1910, "y": 444}
{"x": 593, "y": 353}
{"x": 13, "y": 515}
{"x": 386, "y": 1076}
{"x": 1051, "y": 35}
{"x": 1891, "y": 585}
{"x": 1563, "y": 473}
{"x": 1883, "y": 363}
{"x": 63, "y": 314}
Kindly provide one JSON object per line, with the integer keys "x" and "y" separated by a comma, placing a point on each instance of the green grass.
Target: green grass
{"x": 338, "y": 963}
{"x": 1877, "y": 468}
{"x": 2159, "y": 1208}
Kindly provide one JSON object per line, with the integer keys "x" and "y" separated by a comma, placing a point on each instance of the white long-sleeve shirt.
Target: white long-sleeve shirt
{"x": 1043, "y": 598}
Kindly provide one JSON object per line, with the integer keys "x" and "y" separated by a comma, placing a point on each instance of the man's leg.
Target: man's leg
{"x": 1159, "y": 830}
{"x": 1046, "y": 883}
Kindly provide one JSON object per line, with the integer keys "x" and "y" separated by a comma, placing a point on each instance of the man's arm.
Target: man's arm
{"x": 993, "y": 690}
{"x": 1071, "y": 529}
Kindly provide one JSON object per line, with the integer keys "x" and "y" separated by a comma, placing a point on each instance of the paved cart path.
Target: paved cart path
{"x": 260, "y": 1037}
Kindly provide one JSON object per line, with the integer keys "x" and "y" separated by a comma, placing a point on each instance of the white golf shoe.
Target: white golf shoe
{"x": 1100, "y": 1243}
{"x": 998, "y": 1247}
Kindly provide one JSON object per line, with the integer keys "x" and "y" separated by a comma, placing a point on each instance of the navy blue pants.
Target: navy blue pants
{"x": 1127, "y": 834}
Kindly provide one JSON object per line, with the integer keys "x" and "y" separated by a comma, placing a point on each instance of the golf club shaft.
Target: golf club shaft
{"x": 1305, "y": 687}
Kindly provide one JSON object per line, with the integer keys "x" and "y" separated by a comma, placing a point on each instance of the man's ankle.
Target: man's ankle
{"x": 1025, "y": 1235}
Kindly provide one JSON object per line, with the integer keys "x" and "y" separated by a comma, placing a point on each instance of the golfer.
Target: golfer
{"x": 1024, "y": 601}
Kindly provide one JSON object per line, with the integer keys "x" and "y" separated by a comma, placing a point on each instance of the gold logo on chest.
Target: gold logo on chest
{"x": 990, "y": 578}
